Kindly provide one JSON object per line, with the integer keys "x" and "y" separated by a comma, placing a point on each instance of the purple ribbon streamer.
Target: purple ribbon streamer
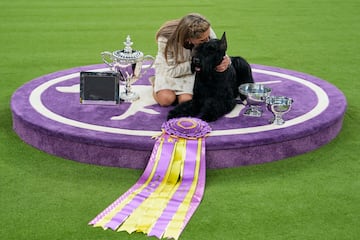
{"x": 158, "y": 176}
{"x": 199, "y": 192}
{"x": 137, "y": 185}
{"x": 189, "y": 172}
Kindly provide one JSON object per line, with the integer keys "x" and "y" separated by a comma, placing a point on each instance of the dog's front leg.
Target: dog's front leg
{"x": 184, "y": 109}
{"x": 211, "y": 110}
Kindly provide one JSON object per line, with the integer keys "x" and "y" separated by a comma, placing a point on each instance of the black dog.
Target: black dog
{"x": 214, "y": 93}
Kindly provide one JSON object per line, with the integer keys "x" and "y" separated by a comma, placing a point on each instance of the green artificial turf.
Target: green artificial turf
{"x": 310, "y": 196}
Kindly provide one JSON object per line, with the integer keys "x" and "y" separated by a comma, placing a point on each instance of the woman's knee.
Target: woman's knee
{"x": 165, "y": 97}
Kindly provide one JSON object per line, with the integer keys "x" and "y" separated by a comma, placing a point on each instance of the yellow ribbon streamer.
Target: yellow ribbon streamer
{"x": 145, "y": 216}
{"x": 176, "y": 225}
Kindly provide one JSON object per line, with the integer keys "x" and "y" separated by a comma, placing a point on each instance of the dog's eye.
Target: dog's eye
{"x": 211, "y": 48}
{"x": 195, "y": 60}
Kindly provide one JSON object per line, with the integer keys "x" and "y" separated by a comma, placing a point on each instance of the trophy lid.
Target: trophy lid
{"x": 128, "y": 54}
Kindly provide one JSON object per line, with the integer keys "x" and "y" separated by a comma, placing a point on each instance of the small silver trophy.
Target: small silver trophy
{"x": 278, "y": 105}
{"x": 129, "y": 63}
{"x": 255, "y": 97}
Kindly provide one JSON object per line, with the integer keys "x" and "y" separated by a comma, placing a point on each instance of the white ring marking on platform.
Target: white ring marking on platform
{"x": 36, "y": 103}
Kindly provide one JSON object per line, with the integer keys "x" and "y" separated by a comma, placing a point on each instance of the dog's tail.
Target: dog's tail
{"x": 243, "y": 72}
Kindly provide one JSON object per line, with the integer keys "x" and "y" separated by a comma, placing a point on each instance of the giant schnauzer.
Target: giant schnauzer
{"x": 214, "y": 93}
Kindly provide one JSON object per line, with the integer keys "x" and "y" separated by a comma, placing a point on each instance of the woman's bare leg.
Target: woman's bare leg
{"x": 184, "y": 97}
{"x": 165, "y": 97}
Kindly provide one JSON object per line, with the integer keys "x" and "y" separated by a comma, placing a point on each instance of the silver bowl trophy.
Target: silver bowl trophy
{"x": 278, "y": 105}
{"x": 255, "y": 97}
{"x": 129, "y": 63}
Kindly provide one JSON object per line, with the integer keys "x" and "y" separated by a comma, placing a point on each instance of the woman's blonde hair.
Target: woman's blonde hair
{"x": 179, "y": 31}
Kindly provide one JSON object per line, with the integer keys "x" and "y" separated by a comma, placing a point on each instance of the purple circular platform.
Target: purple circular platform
{"x": 47, "y": 114}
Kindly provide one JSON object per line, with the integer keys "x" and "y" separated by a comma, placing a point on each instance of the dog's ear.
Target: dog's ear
{"x": 223, "y": 42}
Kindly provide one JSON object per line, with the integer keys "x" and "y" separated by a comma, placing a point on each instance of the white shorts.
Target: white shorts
{"x": 180, "y": 85}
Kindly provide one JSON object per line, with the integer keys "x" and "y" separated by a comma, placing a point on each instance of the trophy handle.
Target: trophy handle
{"x": 107, "y": 55}
{"x": 146, "y": 58}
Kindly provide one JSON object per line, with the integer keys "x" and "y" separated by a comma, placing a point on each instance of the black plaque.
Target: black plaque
{"x": 99, "y": 88}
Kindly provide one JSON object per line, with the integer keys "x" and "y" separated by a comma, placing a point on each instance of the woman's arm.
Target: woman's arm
{"x": 169, "y": 67}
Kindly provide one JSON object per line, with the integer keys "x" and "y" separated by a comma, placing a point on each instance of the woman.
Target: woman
{"x": 174, "y": 79}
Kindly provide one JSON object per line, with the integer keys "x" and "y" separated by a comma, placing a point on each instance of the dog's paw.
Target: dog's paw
{"x": 173, "y": 114}
{"x": 170, "y": 116}
{"x": 209, "y": 117}
{"x": 176, "y": 114}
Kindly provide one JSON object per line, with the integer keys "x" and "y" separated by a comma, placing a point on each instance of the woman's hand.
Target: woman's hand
{"x": 224, "y": 65}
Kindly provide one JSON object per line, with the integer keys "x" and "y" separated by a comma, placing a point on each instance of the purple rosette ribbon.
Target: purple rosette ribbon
{"x": 186, "y": 127}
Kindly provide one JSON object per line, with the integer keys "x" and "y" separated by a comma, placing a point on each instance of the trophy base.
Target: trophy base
{"x": 253, "y": 112}
{"x": 277, "y": 121}
{"x": 129, "y": 96}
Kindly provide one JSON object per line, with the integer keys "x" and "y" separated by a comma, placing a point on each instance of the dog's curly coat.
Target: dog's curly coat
{"x": 214, "y": 92}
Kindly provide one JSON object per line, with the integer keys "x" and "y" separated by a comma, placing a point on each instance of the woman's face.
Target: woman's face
{"x": 203, "y": 38}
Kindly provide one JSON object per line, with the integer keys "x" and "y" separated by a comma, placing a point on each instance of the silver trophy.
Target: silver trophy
{"x": 278, "y": 105}
{"x": 129, "y": 63}
{"x": 255, "y": 97}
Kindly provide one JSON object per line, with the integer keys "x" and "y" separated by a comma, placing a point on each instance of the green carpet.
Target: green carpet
{"x": 311, "y": 196}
